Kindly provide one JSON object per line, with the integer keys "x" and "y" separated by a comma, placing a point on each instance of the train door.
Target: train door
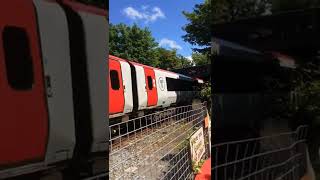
{"x": 127, "y": 87}
{"x": 88, "y": 45}
{"x": 140, "y": 83}
{"x": 24, "y": 116}
{"x": 151, "y": 87}
{"x": 53, "y": 29}
{"x": 116, "y": 91}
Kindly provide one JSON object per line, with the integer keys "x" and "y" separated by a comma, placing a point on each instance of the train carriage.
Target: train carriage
{"x": 141, "y": 87}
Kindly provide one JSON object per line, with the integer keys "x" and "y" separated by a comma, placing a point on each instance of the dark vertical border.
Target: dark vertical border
{"x": 107, "y": 81}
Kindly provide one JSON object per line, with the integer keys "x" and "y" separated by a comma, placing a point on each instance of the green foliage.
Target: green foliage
{"x": 307, "y": 85}
{"x": 200, "y": 58}
{"x": 307, "y": 104}
{"x": 136, "y": 44}
{"x": 169, "y": 59}
{"x": 183, "y": 144}
{"x": 231, "y": 10}
{"x": 205, "y": 95}
{"x": 212, "y": 12}
{"x": 184, "y": 61}
{"x": 197, "y": 167}
{"x": 133, "y": 43}
{"x": 198, "y": 28}
{"x": 201, "y": 19}
{"x": 206, "y": 91}
{"x": 287, "y": 5}
{"x": 309, "y": 99}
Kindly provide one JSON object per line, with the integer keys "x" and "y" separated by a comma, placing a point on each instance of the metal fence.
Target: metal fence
{"x": 281, "y": 156}
{"x": 156, "y": 146}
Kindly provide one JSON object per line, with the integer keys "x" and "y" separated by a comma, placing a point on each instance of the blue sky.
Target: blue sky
{"x": 163, "y": 17}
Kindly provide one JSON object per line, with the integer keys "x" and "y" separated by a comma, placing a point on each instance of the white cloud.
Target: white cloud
{"x": 169, "y": 43}
{"x": 157, "y": 13}
{"x": 132, "y": 13}
{"x": 144, "y": 14}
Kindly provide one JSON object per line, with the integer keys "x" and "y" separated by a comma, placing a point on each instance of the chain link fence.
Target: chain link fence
{"x": 281, "y": 156}
{"x": 156, "y": 146}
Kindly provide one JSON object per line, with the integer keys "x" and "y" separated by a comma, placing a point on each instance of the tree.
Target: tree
{"x": 169, "y": 59}
{"x": 205, "y": 15}
{"x": 184, "y": 61}
{"x": 239, "y": 9}
{"x": 200, "y": 59}
{"x": 136, "y": 44}
{"x": 133, "y": 43}
{"x": 198, "y": 28}
{"x": 287, "y": 5}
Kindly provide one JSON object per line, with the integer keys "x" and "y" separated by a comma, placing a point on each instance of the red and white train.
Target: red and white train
{"x": 53, "y": 89}
{"x": 135, "y": 87}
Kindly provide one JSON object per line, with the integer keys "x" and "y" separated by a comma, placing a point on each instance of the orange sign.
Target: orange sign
{"x": 206, "y": 122}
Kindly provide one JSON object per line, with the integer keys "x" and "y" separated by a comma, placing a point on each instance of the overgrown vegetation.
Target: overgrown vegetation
{"x": 307, "y": 110}
{"x": 137, "y": 44}
{"x": 197, "y": 167}
{"x": 205, "y": 95}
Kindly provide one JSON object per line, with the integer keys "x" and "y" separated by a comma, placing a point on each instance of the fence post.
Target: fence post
{"x": 209, "y": 133}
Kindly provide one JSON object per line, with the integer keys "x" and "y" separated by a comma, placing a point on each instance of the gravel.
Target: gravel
{"x": 145, "y": 158}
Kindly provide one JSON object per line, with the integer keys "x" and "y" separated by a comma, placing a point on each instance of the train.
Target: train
{"x": 53, "y": 89}
{"x": 135, "y": 88}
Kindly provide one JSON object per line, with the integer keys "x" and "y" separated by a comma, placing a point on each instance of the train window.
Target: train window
{"x": 179, "y": 85}
{"x": 18, "y": 59}
{"x": 150, "y": 82}
{"x": 114, "y": 78}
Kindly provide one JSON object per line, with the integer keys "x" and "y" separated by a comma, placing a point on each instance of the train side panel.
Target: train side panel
{"x": 23, "y": 108}
{"x": 95, "y": 28}
{"x": 165, "y": 97}
{"x": 151, "y": 87}
{"x": 141, "y": 87}
{"x": 57, "y": 69}
{"x": 116, "y": 90}
{"x": 127, "y": 87}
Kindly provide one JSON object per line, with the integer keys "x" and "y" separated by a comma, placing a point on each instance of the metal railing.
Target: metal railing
{"x": 155, "y": 146}
{"x": 280, "y": 156}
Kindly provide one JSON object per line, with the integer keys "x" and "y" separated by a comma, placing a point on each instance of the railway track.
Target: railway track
{"x": 124, "y": 133}
{"x": 127, "y": 136}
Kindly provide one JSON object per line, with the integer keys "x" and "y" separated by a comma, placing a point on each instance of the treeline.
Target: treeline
{"x": 137, "y": 44}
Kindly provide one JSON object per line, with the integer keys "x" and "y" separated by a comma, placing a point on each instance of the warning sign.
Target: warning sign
{"x": 197, "y": 145}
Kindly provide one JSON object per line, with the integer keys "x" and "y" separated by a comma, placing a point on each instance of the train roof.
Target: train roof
{"x": 132, "y": 62}
{"x": 85, "y": 7}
